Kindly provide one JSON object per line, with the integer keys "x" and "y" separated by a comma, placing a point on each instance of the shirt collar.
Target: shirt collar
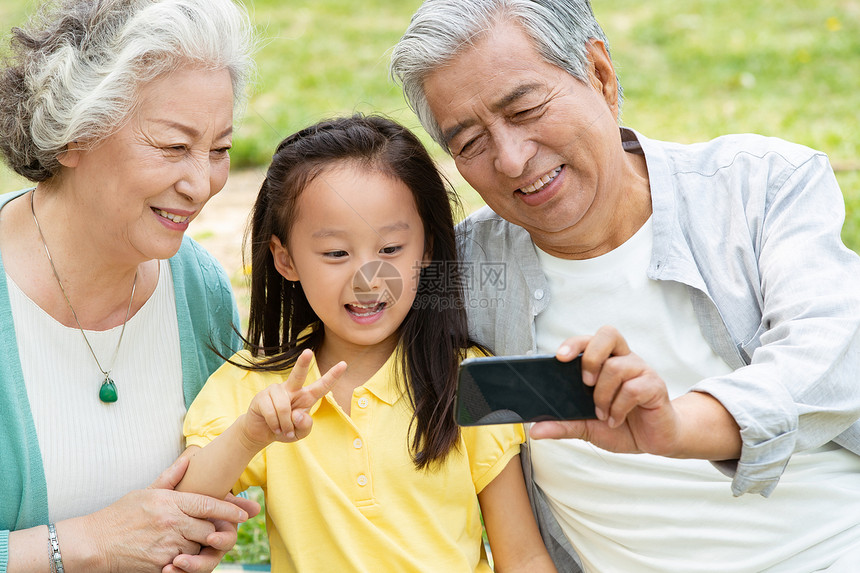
{"x": 384, "y": 384}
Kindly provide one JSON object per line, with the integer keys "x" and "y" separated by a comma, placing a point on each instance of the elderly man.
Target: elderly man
{"x": 719, "y": 264}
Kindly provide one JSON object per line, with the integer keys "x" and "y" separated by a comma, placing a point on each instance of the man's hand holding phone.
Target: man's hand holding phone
{"x": 633, "y": 409}
{"x": 513, "y": 389}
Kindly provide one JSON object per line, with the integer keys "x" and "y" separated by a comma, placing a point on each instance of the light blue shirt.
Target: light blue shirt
{"x": 751, "y": 225}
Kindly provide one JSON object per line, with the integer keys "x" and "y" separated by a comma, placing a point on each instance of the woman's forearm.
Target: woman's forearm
{"x": 30, "y": 549}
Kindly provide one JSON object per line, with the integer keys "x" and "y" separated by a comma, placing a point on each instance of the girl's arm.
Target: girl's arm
{"x": 277, "y": 413}
{"x": 511, "y": 529}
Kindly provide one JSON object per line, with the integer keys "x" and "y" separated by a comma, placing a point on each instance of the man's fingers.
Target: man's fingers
{"x": 606, "y": 342}
{"x": 571, "y": 348}
{"x": 642, "y": 391}
{"x": 557, "y": 430}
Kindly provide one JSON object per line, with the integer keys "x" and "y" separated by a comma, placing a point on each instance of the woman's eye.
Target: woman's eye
{"x": 221, "y": 151}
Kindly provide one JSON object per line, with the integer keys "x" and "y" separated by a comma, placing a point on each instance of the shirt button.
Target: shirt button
{"x": 539, "y": 294}
{"x": 362, "y": 402}
{"x": 362, "y": 480}
{"x": 356, "y": 443}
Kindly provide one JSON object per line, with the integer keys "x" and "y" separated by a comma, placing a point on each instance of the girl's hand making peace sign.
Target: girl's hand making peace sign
{"x": 281, "y": 412}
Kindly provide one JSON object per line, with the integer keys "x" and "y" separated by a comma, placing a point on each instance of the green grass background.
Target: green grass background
{"x": 691, "y": 71}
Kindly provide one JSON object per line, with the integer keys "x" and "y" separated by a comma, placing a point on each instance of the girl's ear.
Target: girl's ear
{"x": 428, "y": 253}
{"x": 283, "y": 262}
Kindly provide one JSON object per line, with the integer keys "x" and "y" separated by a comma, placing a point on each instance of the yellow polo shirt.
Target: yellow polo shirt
{"x": 348, "y": 497}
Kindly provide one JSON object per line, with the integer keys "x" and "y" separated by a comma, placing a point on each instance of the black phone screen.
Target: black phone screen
{"x": 504, "y": 390}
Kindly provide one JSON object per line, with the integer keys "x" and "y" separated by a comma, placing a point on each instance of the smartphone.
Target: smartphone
{"x": 512, "y": 389}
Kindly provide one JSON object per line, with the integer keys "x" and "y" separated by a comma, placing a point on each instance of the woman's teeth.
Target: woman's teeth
{"x": 542, "y": 182}
{"x": 171, "y": 216}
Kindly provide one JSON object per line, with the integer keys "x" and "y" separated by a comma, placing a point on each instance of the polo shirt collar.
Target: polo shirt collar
{"x": 383, "y": 384}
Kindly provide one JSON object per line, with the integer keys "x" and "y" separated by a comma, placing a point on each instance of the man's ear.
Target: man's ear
{"x": 601, "y": 74}
{"x": 283, "y": 262}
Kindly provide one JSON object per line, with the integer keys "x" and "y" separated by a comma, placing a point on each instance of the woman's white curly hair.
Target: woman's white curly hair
{"x": 75, "y": 71}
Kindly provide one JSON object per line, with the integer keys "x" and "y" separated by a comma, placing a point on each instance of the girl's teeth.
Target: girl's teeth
{"x": 365, "y": 309}
{"x": 540, "y": 183}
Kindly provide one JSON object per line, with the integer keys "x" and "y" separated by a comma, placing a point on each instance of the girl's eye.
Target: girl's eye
{"x": 390, "y": 250}
{"x": 335, "y": 254}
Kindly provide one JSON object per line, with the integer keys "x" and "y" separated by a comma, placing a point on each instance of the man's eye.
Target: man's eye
{"x": 472, "y": 147}
{"x": 523, "y": 114}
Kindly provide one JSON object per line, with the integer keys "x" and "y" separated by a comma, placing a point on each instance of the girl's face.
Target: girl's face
{"x": 357, "y": 247}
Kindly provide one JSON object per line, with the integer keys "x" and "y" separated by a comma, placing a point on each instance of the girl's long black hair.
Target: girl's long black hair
{"x": 434, "y": 334}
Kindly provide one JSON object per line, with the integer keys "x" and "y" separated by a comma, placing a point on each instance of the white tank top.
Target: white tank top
{"x": 94, "y": 453}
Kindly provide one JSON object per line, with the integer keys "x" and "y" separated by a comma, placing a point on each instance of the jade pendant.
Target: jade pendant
{"x": 107, "y": 393}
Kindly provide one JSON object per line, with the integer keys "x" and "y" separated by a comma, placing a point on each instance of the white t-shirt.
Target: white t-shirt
{"x": 94, "y": 453}
{"x": 643, "y": 513}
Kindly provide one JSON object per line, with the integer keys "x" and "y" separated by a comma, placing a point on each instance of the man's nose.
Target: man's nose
{"x": 513, "y": 152}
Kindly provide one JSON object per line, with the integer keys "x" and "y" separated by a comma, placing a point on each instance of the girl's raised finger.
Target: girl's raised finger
{"x": 300, "y": 371}
{"x": 322, "y": 386}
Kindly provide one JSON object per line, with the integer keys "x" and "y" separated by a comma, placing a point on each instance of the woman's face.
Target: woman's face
{"x": 138, "y": 190}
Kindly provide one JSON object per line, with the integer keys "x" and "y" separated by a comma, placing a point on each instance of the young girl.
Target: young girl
{"x": 354, "y": 275}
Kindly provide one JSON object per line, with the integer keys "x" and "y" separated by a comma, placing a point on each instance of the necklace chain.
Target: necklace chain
{"x": 68, "y": 302}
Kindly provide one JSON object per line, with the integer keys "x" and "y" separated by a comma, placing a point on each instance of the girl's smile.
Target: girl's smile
{"x": 357, "y": 247}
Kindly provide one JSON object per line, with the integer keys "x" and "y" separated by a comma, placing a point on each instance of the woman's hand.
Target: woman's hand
{"x": 281, "y": 412}
{"x": 635, "y": 414}
{"x": 146, "y": 530}
{"x": 217, "y": 544}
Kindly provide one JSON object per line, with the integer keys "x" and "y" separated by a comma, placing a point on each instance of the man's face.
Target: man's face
{"x": 541, "y": 147}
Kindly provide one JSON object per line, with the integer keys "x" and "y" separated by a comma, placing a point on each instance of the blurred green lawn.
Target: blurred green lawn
{"x": 691, "y": 71}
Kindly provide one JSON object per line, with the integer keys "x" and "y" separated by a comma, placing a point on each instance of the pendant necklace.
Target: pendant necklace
{"x": 107, "y": 390}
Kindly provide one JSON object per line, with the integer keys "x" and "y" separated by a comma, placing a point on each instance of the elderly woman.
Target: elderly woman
{"x": 121, "y": 112}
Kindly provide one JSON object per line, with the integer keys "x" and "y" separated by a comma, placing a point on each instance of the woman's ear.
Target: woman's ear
{"x": 283, "y": 262}
{"x": 71, "y": 156}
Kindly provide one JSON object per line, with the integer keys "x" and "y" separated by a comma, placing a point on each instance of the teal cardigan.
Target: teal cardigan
{"x": 206, "y": 312}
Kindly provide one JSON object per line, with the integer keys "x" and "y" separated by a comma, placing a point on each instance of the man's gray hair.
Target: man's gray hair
{"x": 441, "y": 29}
{"x": 75, "y": 71}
